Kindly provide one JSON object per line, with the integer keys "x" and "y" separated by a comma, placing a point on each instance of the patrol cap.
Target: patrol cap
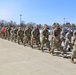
{"x": 45, "y": 25}
{"x": 56, "y": 24}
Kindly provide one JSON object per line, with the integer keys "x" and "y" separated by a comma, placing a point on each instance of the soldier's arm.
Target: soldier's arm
{"x": 17, "y": 33}
{"x": 38, "y": 32}
{"x": 73, "y": 40}
{"x": 67, "y": 38}
{"x": 32, "y": 33}
{"x": 54, "y": 33}
{"x": 42, "y": 34}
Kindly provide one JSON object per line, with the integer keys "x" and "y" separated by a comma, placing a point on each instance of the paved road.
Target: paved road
{"x": 19, "y": 60}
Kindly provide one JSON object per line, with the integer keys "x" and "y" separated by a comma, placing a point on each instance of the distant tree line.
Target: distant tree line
{"x": 32, "y": 24}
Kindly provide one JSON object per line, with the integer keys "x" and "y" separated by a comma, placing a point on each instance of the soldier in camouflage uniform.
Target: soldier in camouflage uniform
{"x": 74, "y": 47}
{"x": 35, "y": 37}
{"x": 45, "y": 38}
{"x": 68, "y": 38}
{"x": 12, "y": 34}
{"x": 15, "y": 34}
{"x": 27, "y": 35}
{"x": 62, "y": 37}
{"x": 52, "y": 35}
{"x": 8, "y": 33}
{"x": 20, "y": 35}
{"x": 57, "y": 41}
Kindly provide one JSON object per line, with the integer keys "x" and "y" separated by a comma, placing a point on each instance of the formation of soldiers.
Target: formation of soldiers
{"x": 59, "y": 39}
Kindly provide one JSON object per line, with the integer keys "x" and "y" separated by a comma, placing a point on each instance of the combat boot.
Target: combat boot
{"x": 19, "y": 43}
{"x": 72, "y": 60}
{"x": 49, "y": 50}
{"x": 42, "y": 49}
{"x": 52, "y": 52}
{"x": 31, "y": 46}
{"x": 62, "y": 55}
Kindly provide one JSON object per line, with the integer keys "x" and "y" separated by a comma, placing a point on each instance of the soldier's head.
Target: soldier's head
{"x": 62, "y": 29}
{"x": 19, "y": 28}
{"x": 27, "y": 27}
{"x": 57, "y": 25}
{"x": 36, "y": 27}
{"x": 69, "y": 30}
{"x": 45, "y": 27}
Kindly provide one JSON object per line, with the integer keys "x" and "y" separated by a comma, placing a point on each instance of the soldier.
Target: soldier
{"x": 8, "y": 33}
{"x": 12, "y": 34}
{"x": 27, "y": 35}
{"x": 68, "y": 38}
{"x": 57, "y": 41}
{"x": 45, "y": 38}
{"x": 52, "y": 35}
{"x": 20, "y": 35}
{"x": 74, "y": 34}
{"x": 35, "y": 37}
{"x": 74, "y": 47}
{"x": 15, "y": 34}
{"x": 62, "y": 37}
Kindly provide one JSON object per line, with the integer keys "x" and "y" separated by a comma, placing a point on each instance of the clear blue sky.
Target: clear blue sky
{"x": 38, "y": 11}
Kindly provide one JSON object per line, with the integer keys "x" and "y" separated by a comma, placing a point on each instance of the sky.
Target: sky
{"x": 38, "y": 11}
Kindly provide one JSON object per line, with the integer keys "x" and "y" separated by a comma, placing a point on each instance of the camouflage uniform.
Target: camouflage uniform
{"x": 74, "y": 47}
{"x": 68, "y": 38}
{"x": 62, "y": 37}
{"x": 35, "y": 37}
{"x": 8, "y": 33}
{"x": 20, "y": 35}
{"x": 12, "y": 34}
{"x": 15, "y": 34}
{"x": 52, "y": 35}
{"x": 27, "y": 36}
{"x": 57, "y": 41}
{"x": 74, "y": 34}
{"x": 45, "y": 38}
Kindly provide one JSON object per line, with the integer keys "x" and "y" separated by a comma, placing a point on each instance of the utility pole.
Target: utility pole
{"x": 20, "y": 18}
